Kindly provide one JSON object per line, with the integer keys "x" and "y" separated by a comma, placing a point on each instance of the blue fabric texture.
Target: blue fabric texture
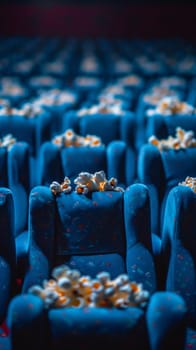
{"x": 140, "y": 261}
{"x": 91, "y": 232}
{"x": 84, "y": 328}
{"x": 3, "y": 167}
{"x": 90, "y": 224}
{"x": 163, "y": 126}
{"x": 26, "y": 321}
{"x": 178, "y": 250}
{"x": 115, "y": 159}
{"x": 7, "y": 250}
{"x": 166, "y": 321}
{"x": 161, "y": 171}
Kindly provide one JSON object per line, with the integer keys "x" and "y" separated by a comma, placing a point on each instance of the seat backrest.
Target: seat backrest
{"x": 91, "y": 224}
{"x": 105, "y": 126}
{"x": 21, "y": 128}
{"x": 3, "y": 167}
{"x": 178, "y": 246}
{"x": 14, "y": 170}
{"x": 55, "y": 163}
{"x": 7, "y": 250}
{"x": 163, "y": 126}
{"x": 164, "y": 170}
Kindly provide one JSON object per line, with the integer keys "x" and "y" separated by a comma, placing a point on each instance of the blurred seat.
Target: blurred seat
{"x": 160, "y": 171}
{"x": 179, "y": 252}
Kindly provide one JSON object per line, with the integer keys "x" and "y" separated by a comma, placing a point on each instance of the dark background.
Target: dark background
{"x": 94, "y": 18}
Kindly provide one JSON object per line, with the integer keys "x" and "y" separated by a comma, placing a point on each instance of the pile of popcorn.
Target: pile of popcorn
{"x": 158, "y": 93}
{"x": 29, "y": 110}
{"x": 183, "y": 139}
{"x": 70, "y": 139}
{"x": 130, "y": 80}
{"x": 101, "y": 108}
{"x": 7, "y": 141}
{"x": 56, "y": 97}
{"x": 189, "y": 182}
{"x": 69, "y": 289}
{"x": 171, "y": 105}
{"x": 86, "y": 183}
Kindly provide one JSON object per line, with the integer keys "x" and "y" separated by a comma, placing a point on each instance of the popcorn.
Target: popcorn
{"x": 172, "y": 106}
{"x": 7, "y": 141}
{"x": 83, "y": 291}
{"x": 158, "y": 93}
{"x": 189, "y": 182}
{"x": 28, "y": 110}
{"x": 101, "y": 108}
{"x": 183, "y": 139}
{"x": 55, "y": 97}
{"x": 131, "y": 80}
{"x": 86, "y": 182}
{"x": 70, "y": 139}
{"x": 64, "y": 187}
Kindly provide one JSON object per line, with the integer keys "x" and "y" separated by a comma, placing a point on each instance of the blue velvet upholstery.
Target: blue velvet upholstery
{"x": 33, "y": 131}
{"x": 114, "y": 159}
{"x": 72, "y": 328}
{"x": 143, "y": 119}
{"x": 7, "y": 251}
{"x": 161, "y": 171}
{"x": 15, "y": 175}
{"x": 25, "y": 320}
{"x": 164, "y": 126}
{"x": 107, "y": 126}
{"x": 178, "y": 248}
{"x": 91, "y": 232}
{"x": 166, "y": 321}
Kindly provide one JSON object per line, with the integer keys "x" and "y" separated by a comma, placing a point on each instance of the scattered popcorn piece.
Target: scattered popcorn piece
{"x": 70, "y": 289}
{"x": 189, "y": 182}
{"x": 64, "y": 187}
{"x": 7, "y": 141}
{"x": 183, "y": 139}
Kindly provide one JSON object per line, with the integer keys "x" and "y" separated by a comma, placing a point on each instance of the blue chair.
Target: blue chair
{"x": 55, "y": 162}
{"x": 108, "y": 127}
{"x": 163, "y": 126}
{"x": 102, "y": 231}
{"x": 7, "y": 260}
{"x": 31, "y": 327}
{"x": 33, "y": 131}
{"x": 149, "y": 100}
{"x": 179, "y": 253}
{"x": 18, "y": 165}
{"x": 166, "y": 319}
{"x": 160, "y": 171}
{"x": 67, "y": 228}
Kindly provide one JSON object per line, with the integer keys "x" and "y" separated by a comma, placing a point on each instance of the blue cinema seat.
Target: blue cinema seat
{"x": 55, "y": 162}
{"x": 103, "y": 231}
{"x": 179, "y": 252}
{"x": 7, "y": 262}
{"x": 7, "y": 250}
{"x": 108, "y": 127}
{"x": 163, "y": 126}
{"x": 160, "y": 171}
{"x": 14, "y": 171}
{"x": 166, "y": 319}
{"x": 33, "y": 131}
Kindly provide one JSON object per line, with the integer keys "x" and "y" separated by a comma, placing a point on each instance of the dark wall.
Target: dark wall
{"x": 111, "y": 18}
